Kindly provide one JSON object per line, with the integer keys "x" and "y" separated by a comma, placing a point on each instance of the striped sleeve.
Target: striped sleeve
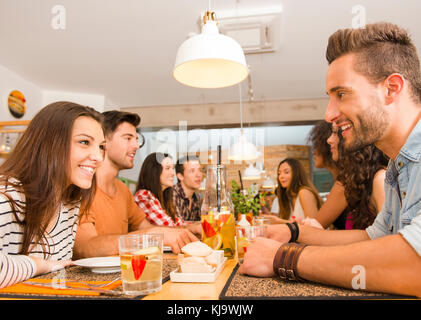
{"x": 15, "y": 268}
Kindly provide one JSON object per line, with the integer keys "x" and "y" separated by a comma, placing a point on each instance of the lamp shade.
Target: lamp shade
{"x": 251, "y": 173}
{"x": 210, "y": 60}
{"x": 243, "y": 150}
{"x": 269, "y": 183}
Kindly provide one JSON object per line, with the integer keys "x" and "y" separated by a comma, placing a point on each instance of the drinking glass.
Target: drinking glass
{"x": 141, "y": 263}
{"x": 246, "y": 234}
{"x": 261, "y": 221}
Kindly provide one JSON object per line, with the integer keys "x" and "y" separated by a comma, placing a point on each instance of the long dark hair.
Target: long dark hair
{"x": 149, "y": 179}
{"x": 318, "y": 138}
{"x": 299, "y": 180}
{"x": 356, "y": 172}
{"x": 40, "y": 162}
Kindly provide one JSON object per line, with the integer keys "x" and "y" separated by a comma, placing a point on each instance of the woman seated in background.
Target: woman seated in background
{"x": 296, "y": 196}
{"x": 357, "y": 195}
{"x": 47, "y": 181}
{"x": 154, "y": 192}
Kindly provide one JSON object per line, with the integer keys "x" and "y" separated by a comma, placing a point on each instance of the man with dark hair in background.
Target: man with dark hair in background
{"x": 186, "y": 200}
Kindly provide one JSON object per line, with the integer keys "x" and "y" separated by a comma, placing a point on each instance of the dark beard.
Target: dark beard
{"x": 372, "y": 126}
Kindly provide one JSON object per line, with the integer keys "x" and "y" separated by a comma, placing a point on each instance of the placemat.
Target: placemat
{"x": 241, "y": 286}
{"x": 77, "y": 273}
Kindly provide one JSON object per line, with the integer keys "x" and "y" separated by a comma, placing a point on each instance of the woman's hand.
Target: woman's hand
{"x": 308, "y": 222}
{"x": 46, "y": 266}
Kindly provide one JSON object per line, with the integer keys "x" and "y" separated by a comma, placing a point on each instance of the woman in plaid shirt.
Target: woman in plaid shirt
{"x": 154, "y": 192}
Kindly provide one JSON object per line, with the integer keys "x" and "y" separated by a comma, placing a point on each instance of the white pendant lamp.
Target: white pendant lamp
{"x": 210, "y": 59}
{"x": 242, "y": 150}
{"x": 269, "y": 183}
{"x": 251, "y": 173}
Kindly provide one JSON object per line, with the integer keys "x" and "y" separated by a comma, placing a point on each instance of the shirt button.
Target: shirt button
{"x": 400, "y": 164}
{"x": 404, "y": 194}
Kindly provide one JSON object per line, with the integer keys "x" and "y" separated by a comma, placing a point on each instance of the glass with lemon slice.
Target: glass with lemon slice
{"x": 246, "y": 234}
{"x": 141, "y": 263}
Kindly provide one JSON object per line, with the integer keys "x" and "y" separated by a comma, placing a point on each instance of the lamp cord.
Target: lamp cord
{"x": 241, "y": 109}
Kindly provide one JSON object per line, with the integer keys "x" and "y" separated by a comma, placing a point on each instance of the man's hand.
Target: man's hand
{"x": 278, "y": 232}
{"x": 258, "y": 260}
{"x": 177, "y": 238}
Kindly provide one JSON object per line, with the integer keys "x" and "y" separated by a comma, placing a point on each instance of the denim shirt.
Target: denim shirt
{"x": 401, "y": 212}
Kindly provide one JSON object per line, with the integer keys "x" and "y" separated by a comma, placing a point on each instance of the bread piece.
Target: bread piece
{"x": 195, "y": 265}
{"x": 215, "y": 258}
{"x": 197, "y": 249}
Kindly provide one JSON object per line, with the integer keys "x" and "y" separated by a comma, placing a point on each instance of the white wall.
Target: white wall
{"x": 10, "y": 81}
{"x": 37, "y": 98}
{"x": 93, "y": 100}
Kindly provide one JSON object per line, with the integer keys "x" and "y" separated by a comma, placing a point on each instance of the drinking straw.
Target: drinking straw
{"x": 241, "y": 180}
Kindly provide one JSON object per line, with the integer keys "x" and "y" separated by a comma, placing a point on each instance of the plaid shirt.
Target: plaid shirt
{"x": 155, "y": 214}
{"x": 181, "y": 203}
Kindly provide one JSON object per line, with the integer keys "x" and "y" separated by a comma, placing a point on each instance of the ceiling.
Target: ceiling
{"x": 125, "y": 49}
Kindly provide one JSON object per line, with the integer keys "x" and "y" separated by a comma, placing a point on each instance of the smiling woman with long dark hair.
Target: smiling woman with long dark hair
{"x": 296, "y": 195}
{"x": 46, "y": 183}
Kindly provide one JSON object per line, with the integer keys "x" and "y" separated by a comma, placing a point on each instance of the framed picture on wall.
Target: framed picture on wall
{"x": 17, "y": 104}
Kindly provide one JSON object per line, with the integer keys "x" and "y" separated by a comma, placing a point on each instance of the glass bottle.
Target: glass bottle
{"x": 217, "y": 212}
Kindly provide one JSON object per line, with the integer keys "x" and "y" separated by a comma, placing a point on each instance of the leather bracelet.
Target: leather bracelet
{"x": 293, "y": 228}
{"x": 286, "y": 260}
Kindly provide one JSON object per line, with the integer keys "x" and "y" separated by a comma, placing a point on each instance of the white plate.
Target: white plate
{"x": 100, "y": 264}
{"x": 176, "y": 276}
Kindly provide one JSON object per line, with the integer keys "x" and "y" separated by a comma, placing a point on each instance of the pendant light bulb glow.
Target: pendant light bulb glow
{"x": 243, "y": 150}
{"x": 251, "y": 173}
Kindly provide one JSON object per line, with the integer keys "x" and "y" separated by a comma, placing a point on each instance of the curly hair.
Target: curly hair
{"x": 356, "y": 172}
{"x": 318, "y": 138}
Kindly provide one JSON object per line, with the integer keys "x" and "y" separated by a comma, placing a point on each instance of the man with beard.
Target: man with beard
{"x": 114, "y": 211}
{"x": 374, "y": 88}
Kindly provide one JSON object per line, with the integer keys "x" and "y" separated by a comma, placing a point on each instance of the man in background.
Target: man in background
{"x": 186, "y": 199}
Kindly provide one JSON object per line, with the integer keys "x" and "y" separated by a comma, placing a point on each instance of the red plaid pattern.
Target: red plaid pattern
{"x": 154, "y": 211}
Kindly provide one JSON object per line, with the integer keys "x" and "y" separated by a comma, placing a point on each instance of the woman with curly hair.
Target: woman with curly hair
{"x": 362, "y": 174}
{"x": 358, "y": 193}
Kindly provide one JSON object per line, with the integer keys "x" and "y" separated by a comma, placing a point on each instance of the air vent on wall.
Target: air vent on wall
{"x": 255, "y": 34}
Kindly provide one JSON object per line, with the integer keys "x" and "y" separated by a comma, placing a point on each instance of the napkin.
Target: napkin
{"x": 25, "y": 288}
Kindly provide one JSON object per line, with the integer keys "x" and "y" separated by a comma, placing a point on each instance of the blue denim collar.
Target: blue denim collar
{"x": 410, "y": 152}
{"x": 412, "y": 147}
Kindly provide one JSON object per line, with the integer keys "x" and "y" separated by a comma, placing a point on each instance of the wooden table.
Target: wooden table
{"x": 240, "y": 287}
{"x": 194, "y": 291}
